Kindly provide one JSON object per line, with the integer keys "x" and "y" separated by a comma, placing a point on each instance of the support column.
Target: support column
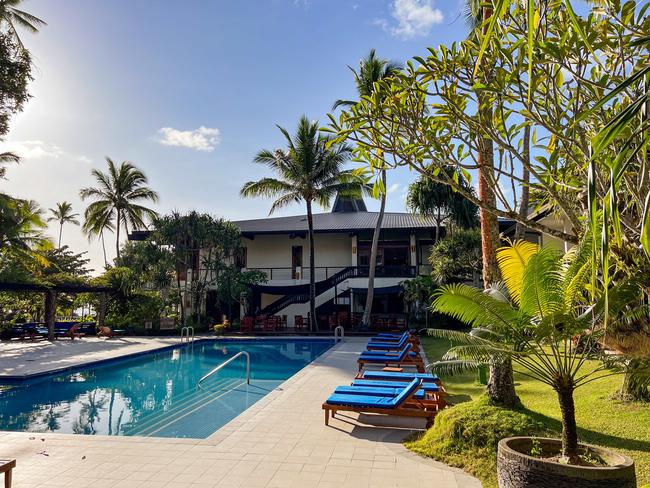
{"x": 50, "y": 313}
{"x": 413, "y": 251}
{"x": 355, "y": 250}
{"x": 101, "y": 313}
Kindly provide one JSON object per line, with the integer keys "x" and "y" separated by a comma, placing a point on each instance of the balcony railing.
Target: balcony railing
{"x": 326, "y": 272}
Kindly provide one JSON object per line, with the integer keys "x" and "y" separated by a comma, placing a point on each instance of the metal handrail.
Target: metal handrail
{"x": 185, "y": 331}
{"x": 225, "y": 363}
{"x": 339, "y": 333}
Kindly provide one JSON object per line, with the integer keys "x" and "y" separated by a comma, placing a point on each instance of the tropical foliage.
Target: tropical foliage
{"x": 428, "y": 197}
{"x": 544, "y": 320}
{"x": 457, "y": 258}
{"x": 371, "y": 70}
{"x": 202, "y": 251}
{"x": 117, "y": 201}
{"x": 310, "y": 171}
{"x": 63, "y": 214}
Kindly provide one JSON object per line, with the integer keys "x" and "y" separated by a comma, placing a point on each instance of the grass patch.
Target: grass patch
{"x": 623, "y": 427}
{"x": 466, "y": 436}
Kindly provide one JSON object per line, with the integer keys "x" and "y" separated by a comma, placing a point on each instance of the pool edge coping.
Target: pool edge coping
{"x": 154, "y": 350}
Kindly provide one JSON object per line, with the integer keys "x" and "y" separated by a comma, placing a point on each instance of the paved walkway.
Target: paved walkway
{"x": 281, "y": 441}
{"x": 21, "y": 358}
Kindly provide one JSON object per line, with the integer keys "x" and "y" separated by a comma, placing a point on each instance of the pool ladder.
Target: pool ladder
{"x": 227, "y": 362}
{"x": 339, "y": 333}
{"x": 185, "y": 333}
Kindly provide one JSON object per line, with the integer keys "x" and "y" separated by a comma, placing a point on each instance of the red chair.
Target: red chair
{"x": 247, "y": 324}
{"x": 299, "y": 322}
{"x": 260, "y": 321}
{"x": 332, "y": 321}
{"x": 271, "y": 323}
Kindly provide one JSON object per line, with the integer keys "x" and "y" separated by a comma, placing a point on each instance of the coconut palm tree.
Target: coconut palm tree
{"x": 371, "y": 70}
{"x": 7, "y": 157}
{"x": 542, "y": 319}
{"x": 63, "y": 214}
{"x": 117, "y": 201}
{"x": 308, "y": 171}
{"x": 12, "y": 17}
{"x": 440, "y": 201}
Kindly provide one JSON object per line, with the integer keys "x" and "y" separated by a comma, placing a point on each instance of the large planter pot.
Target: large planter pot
{"x": 518, "y": 470}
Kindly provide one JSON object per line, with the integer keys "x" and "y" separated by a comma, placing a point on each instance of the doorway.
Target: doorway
{"x": 296, "y": 262}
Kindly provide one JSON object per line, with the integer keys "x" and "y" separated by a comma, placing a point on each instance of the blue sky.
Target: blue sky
{"x": 190, "y": 91}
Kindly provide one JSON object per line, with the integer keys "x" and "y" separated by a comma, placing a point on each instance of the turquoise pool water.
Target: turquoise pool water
{"x": 155, "y": 394}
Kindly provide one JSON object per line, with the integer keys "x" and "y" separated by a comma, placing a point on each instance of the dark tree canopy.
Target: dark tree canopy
{"x": 15, "y": 75}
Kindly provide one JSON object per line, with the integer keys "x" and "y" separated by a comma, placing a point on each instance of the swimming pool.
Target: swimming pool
{"x": 155, "y": 394}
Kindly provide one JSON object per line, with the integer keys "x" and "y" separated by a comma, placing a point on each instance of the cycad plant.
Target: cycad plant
{"x": 544, "y": 319}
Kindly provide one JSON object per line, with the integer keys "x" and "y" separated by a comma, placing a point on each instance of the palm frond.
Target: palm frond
{"x": 453, "y": 367}
{"x": 512, "y": 260}
{"x": 473, "y": 307}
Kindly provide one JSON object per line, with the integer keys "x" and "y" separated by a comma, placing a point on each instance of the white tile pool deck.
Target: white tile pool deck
{"x": 281, "y": 441}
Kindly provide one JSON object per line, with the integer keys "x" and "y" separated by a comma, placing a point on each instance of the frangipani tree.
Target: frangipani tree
{"x": 543, "y": 319}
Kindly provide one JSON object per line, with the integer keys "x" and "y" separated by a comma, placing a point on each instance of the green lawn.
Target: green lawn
{"x": 624, "y": 427}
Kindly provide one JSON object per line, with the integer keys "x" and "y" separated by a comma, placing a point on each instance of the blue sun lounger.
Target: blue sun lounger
{"x": 396, "y": 376}
{"x": 403, "y": 404}
{"x": 366, "y": 383}
{"x": 387, "y": 345}
{"x": 404, "y": 357}
{"x": 376, "y": 391}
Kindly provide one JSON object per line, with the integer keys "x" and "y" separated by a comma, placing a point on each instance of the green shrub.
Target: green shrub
{"x": 466, "y": 436}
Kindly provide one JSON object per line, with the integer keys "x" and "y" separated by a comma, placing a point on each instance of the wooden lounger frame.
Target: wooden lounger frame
{"x": 409, "y": 408}
{"x": 418, "y": 363}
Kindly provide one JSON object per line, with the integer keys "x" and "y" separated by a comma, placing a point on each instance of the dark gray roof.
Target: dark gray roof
{"x": 335, "y": 222}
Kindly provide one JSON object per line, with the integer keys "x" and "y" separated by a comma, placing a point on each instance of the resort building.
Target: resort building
{"x": 279, "y": 247}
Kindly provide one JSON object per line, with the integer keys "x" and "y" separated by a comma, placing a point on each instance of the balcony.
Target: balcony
{"x": 326, "y": 272}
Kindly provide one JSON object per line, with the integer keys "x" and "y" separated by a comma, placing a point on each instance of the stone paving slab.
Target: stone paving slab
{"x": 24, "y": 358}
{"x": 281, "y": 441}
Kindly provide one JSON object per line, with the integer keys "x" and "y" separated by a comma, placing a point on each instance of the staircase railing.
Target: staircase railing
{"x": 337, "y": 278}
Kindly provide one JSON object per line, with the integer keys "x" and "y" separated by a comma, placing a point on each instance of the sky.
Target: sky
{"x": 190, "y": 91}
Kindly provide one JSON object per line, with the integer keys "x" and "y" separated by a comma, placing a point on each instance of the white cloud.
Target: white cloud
{"x": 393, "y": 188}
{"x": 414, "y": 18}
{"x": 32, "y": 149}
{"x": 201, "y": 139}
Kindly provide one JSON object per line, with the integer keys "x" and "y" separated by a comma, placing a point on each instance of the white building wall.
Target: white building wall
{"x": 274, "y": 251}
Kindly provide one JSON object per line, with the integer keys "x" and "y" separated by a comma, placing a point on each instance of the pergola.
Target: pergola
{"x": 50, "y": 293}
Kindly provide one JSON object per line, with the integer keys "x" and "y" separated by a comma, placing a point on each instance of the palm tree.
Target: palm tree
{"x": 541, "y": 319}
{"x": 310, "y": 171}
{"x": 371, "y": 70}
{"x": 501, "y": 388}
{"x": 12, "y": 17}
{"x": 63, "y": 215}
{"x": 7, "y": 157}
{"x": 117, "y": 201}
{"x": 440, "y": 201}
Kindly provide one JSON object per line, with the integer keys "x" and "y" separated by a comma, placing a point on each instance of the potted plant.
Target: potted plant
{"x": 547, "y": 318}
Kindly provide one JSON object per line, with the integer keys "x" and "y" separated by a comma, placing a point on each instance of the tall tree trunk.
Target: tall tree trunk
{"x": 525, "y": 189}
{"x": 104, "y": 248}
{"x": 569, "y": 427}
{"x": 365, "y": 321}
{"x": 501, "y": 385}
{"x": 117, "y": 237}
{"x": 312, "y": 271}
{"x": 60, "y": 233}
{"x": 50, "y": 313}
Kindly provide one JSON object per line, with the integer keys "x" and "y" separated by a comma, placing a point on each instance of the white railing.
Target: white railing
{"x": 339, "y": 333}
{"x": 185, "y": 333}
{"x": 225, "y": 363}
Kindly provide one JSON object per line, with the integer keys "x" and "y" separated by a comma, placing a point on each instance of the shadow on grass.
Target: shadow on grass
{"x": 590, "y": 436}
